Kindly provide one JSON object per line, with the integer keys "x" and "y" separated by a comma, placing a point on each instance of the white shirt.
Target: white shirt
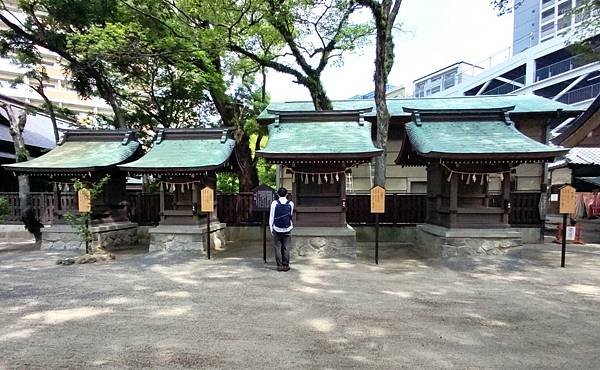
{"x": 282, "y": 200}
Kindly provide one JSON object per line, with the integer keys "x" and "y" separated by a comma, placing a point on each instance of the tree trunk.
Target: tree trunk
{"x": 247, "y": 171}
{"x": 383, "y": 115}
{"x": 17, "y": 125}
{"x": 317, "y": 93}
{"x": 40, "y": 91}
{"x": 107, "y": 92}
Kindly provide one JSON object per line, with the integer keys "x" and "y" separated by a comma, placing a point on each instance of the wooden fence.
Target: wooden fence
{"x": 238, "y": 209}
{"x": 400, "y": 208}
{"x": 43, "y": 206}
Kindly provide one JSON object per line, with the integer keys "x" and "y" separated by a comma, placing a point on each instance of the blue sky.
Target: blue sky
{"x": 437, "y": 33}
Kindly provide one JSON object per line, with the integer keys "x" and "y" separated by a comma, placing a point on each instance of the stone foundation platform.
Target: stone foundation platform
{"x": 324, "y": 242}
{"x": 438, "y": 241}
{"x": 177, "y": 238}
{"x": 110, "y": 236}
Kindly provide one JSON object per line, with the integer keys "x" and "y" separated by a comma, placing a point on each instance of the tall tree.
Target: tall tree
{"x": 47, "y": 24}
{"x": 17, "y": 119}
{"x": 310, "y": 33}
{"x": 384, "y": 14}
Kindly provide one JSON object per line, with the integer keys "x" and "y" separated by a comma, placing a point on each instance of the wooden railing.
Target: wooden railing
{"x": 238, "y": 209}
{"x": 144, "y": 208}
{"x": 43, "y": 205}
{"x": 400, "y": 208}
{"x": 524, "y": 209}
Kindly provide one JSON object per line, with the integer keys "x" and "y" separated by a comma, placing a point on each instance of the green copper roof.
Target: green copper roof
{"x": 475, "y": 139}
{"x": 81, "y": 154}
{"x": 522, "y": 103}
{"x": 186, "y": 151}
{"x": 329, "y": 139}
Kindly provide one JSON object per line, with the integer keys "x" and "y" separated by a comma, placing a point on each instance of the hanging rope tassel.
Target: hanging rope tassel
{"x": 501, "y": 177}
{"x": 462, "y": 177}
{"x": 449, "y": 177}
{"x": 468, "y": 179}
{"x": 319, "y": 179}
{"x": 331, "y": 179}
{"x": 337, "y": 177}
{"x": 482, "y": 177}
{"x": 325, "y": 178}
{"x": 474, "y": 178}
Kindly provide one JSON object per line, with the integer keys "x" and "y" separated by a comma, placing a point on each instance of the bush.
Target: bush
{"x": 4, "y": 207}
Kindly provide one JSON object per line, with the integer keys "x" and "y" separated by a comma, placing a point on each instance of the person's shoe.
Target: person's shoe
{"x": 286, "y": 268}
{"x": 280, "y": 268}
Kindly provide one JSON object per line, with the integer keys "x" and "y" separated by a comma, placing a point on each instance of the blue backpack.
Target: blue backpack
{"x": 283, "y": 215}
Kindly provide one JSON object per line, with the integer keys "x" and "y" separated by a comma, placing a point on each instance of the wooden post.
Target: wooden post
{"x": 207, "y": 204}
{"x": 264, "y": 226}
{"x": 567, "y": 200}
{"x": 377, "y": 207}
{"x": 208, "y": 235}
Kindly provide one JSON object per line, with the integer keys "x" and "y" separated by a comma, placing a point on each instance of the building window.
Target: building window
{"x": 546, "y": 3}
{"x": 564, "y": 22}
{"x": 449, "y": 79}
{"x": 436, "y": 78}
{"x": 547, "y": 29}
{"x": 435, "y": 90}
{"x": 564, "y": 7}
{"x": 547, "y": 15}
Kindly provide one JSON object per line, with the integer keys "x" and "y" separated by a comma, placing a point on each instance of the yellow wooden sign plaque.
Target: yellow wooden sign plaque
{"x": 84, "y": 200}
{"x": 207, "y": 200}
{"x": 567, "y": 199}
{"x": 377, "y": 199}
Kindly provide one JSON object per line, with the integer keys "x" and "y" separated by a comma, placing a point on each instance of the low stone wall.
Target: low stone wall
{"x": 178, "y": 238}
{"x": 110, "y": 236}
{"x": 114, "y": 236}
{"x": 437, "y": 241}
{"x": 338, "y": 242}
{"x": 13, "y": 233}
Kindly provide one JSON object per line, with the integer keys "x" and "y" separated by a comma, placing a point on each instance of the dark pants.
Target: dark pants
{"x": 281, "y": 243}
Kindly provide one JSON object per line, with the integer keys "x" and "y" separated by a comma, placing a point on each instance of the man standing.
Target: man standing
{"x": 280, "y": 221}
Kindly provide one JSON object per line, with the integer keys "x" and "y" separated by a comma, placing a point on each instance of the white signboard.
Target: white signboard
{"x": 571, "y": 232}
{"x": 554, "y": 197}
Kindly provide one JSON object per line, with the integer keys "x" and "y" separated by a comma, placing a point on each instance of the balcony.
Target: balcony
{"x": 563, "y": 66}
{"x": 582, "y": 94}
{"x": 506, "y": 88}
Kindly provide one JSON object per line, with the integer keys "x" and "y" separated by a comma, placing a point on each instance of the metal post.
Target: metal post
{"x": 564, "y": 241}
{"x": 376, "y": 238}
{"x": 264, "y": 225}
{"x": 87, "y": 232}
{"x": 208, "y": 235}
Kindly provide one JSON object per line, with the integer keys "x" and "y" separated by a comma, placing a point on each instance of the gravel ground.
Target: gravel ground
{"x": 146, "y": 311}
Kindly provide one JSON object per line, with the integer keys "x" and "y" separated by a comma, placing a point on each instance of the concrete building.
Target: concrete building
{"x": 542, "y": 63}
{"x": 537, "y": 21}
{"x": 444, "y": 78}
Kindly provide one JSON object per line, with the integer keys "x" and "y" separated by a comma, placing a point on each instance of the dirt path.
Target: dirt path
{"x": 513, "y": 311}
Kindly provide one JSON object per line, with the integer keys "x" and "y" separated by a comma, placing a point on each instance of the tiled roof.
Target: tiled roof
{"x": 331, "y": 138}
{"x": 474, "y": 139}
{"x": 78, "y": 154}
{"x": 580, "y": 155}
{"x": 185, "y": 150}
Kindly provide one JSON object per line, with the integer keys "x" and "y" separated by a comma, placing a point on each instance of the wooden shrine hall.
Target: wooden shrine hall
{"x": 87, "y": 155}
{"x": 464, "y": 150}
{"x": 318, "y": 148}
{"x": 184, "y": 161}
